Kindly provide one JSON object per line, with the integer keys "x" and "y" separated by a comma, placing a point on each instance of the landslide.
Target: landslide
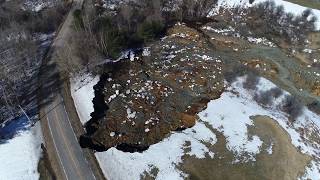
{"x": 147, "y": 96}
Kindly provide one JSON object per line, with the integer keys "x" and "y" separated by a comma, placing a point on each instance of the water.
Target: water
{"x": 13, "y": 127}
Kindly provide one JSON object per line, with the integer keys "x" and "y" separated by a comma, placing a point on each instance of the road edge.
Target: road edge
{"x": 79, "y": 130}
{"x": 48, "y": 142}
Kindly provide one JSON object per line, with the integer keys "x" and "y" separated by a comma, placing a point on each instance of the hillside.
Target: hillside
{"x": 266, "y": 116}
{"x": 170, "y": 89}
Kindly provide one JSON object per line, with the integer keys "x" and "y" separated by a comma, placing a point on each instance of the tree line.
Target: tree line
{"x": 134, "y": 23}
{"x": 268, "y": 20}
{"x": 19, "y": 56}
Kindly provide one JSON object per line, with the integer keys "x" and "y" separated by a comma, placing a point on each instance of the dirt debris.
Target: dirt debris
{"x": 150, "y": 96}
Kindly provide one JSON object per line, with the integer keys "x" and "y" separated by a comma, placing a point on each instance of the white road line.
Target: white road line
{"x": 76, "y": 137}
{"x": 54, "y": 143}
{"x": 73, "y": 133}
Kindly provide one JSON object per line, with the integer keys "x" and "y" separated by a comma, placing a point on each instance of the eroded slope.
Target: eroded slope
{"x": 160, "y": 91}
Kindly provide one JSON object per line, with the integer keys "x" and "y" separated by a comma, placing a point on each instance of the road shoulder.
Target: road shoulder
{"x": 79, "y": 130}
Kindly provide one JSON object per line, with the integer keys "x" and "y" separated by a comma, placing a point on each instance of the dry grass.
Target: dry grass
{"x": 306, "y": 58}
{"x": 315, "y": 4}
{"x": 286, "y": 162}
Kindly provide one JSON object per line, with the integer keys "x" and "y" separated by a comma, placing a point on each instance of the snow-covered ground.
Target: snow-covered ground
{"x": 230, "y": 31}
{"x": 38, "y": 5}
{"x": 230, "y": 115}
{"x": 20, "y": 155}
{"x": 165, "y": 155}
{"x": 82, "y": 93}
{"x": 288, "y": 7}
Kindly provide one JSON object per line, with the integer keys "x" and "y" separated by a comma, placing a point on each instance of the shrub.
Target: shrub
{"x": 315, "y": 107}
{"x": 78, "y": 19}
{"x": 148, "y": 31}
{"x": 110, "y": 40}
{"x": 21, "y": 59}
{"x": 268, "y": 20}
{"x": 114, "y": 34}
{"x": 266, "y": 97}
{"x": 251, "y": 81}
{"x": 275, "y": 92}
{"x": 231, "y": 75}
{"x": 196, "y": 10}
{"x": 263, "y": 98}
{"x": 136, "y": 22}
{"x": 292, "y": 107}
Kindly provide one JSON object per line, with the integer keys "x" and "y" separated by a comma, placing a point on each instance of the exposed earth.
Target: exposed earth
{"x": 151, "y": 94}
{"x": 159, "y": 91}
{"x": 192, "y": 102}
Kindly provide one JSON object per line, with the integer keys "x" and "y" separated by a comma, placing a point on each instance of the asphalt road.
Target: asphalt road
{"x": 69, "y": 153}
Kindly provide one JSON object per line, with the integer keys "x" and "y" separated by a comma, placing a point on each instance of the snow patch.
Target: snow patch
{"x": 146, "y": 51}
{"x": 82, "y": 93}
{"x": 20, "y": 155}
{"x": 270, "y": 148}
{"x": 165, "y": 155}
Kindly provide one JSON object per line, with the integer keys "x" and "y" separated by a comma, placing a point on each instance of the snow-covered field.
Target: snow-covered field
{"x": 288, "y": 7}
{"x": 38, "y": 5}
{"x": 82, "y": 93}
{"x": 20, "y": 155}
{"x": 230, "y": 115}
{"x": 165, "y": 155}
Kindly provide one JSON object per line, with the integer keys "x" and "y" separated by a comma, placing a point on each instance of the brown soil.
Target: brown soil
{"x": 314, "y": 38}
{"x": 285, "y": 162}
{"x": 159, "y": 93}
{"x": 226, "y": 42}
{"x": 316, "y": 89}
{"x": 266, "y": 68}
{"x": 306, "y": 58}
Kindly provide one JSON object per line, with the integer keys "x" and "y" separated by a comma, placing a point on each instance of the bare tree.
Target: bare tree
{"x": 20, "y": 57}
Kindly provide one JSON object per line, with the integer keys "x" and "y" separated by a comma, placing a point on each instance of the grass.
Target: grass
{"x": 314, "y": 4}
{"x": 285, "y": 162}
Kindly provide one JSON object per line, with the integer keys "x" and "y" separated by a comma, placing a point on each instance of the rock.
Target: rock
{"x": 188, "y": 120}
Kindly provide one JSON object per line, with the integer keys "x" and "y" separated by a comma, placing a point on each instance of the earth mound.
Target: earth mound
{"x": 147, "y": 96}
